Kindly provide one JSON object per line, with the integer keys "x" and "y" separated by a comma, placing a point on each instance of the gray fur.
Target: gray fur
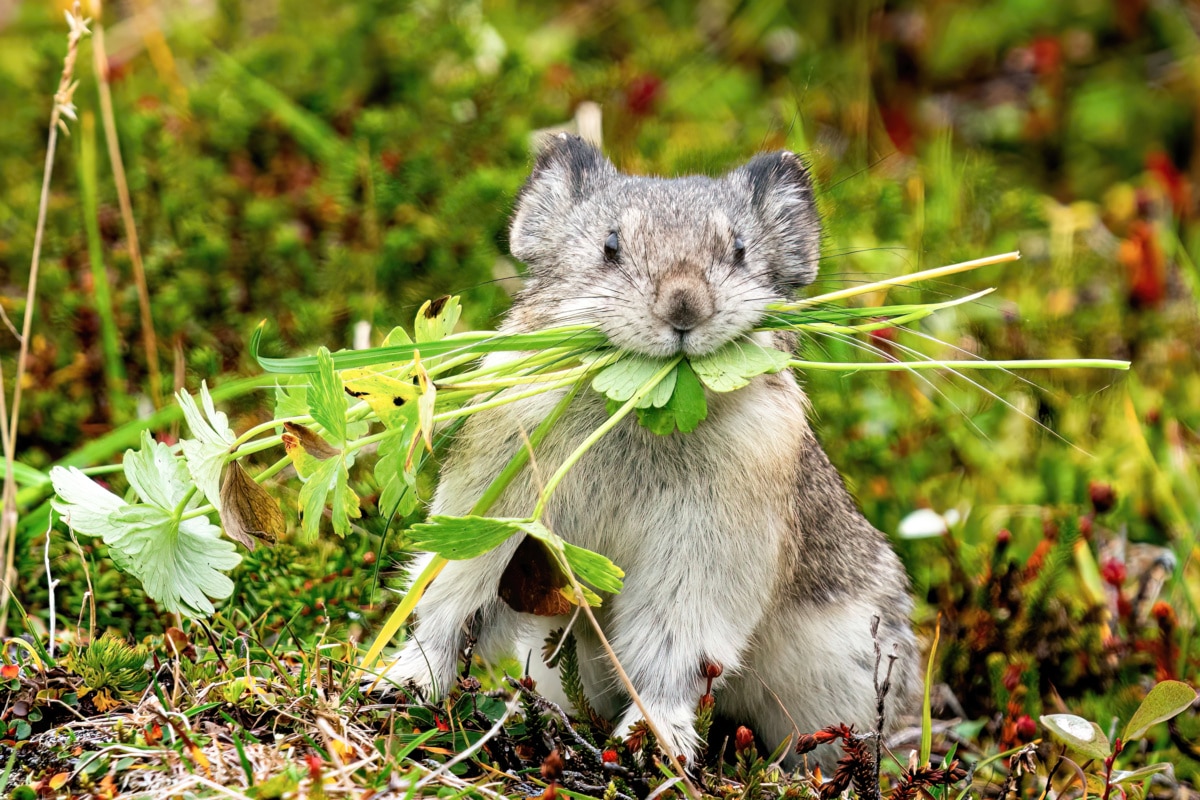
{"x": 740, "y": 542}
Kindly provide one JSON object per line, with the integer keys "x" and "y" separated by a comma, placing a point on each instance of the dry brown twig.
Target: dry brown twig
{"x": 149, "y": 338}
{"x": 63, "y": 107}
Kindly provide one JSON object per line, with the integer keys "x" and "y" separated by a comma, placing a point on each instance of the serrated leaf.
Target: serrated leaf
{"x": 327, "y": 399}
{"x": 686, "y": 408}
{"x": 733, "y": 365}
{"x": 178, "y": 563}
{"x": 594, "y": 568}
{"x": 157, "y": 475}
{"x": 291, "y": 401}
{"x": 398, "y": 336}
{"x": 591, "y": 567}
{"x": 1080, "y": 735}
{"x": 247, "y": 511}
{"x": 1166, "y": 700}
{"x": 460, "y": 538}
{"x": 205, "y": 453}
{"x": 436, "y": 319}
{"x": 391, "y": 396}
{"x": 397, "y": 495}
{"x": 620, "y": 381}
{"x": 329, "y": 484}
{"x": 83, "y": 504}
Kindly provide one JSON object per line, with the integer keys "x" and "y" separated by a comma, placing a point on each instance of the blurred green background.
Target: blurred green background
{"x": 325, "y": 163}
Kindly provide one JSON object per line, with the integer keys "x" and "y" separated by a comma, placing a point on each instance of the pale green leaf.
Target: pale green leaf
{"x": 397, "y": 337}
{"x": 328, "y": 483}
{"x": 327, "y": 400}
{"x": 594, "y": 568}
{"x": 1080, "y": 735}
{"x": 81, "y": 502}
{"x": 397, "y": 496}
{"x": 1141, "y": 773}
{"x": 620, "y": 381}
{"x": 157, "y": 475}
{"x": 459, "y": 538}
{"x": 291, "y": 401}
{"x": 733, "y": 365}
{"x": 1164, "y": 701}
{"x": 205, "y": 453}
{"x": 180, "y": 564}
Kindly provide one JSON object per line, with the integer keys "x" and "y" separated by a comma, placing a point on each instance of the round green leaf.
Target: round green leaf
{"x": 1164, "y": 701}
{"x": 1080, "y": 735}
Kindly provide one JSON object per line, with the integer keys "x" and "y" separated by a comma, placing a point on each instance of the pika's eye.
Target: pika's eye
{"x": 612, "y": 247}
{"x": 739, "y": 249}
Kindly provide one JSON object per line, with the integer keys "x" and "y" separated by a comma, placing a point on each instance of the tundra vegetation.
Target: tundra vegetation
{"x": 267, "y": 248}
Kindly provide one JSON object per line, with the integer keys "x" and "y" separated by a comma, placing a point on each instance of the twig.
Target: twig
{"x": 51, "y": 584}
{"x": 692, "y": 791}
{"x": 149, "y": 338}
{"x": 881, "y": 692}
{"x": 546, "y": 704}
{"x": 62, "y": 107}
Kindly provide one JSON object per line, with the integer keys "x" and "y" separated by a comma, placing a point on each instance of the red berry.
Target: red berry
{"x": 1026, "y": 727}
{"x": 1113, "y": 572}
{"x": 743, "y": 739}
{"x": 609, "y": 756}
{"x": 1102, "y": 495}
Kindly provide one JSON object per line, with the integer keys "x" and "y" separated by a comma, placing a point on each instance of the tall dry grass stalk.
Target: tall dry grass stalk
{"x": 149, "y": 338}
{"x": 63, "y": 107}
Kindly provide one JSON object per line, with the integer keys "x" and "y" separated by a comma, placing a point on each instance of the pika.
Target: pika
{"x": 740, "y": 543}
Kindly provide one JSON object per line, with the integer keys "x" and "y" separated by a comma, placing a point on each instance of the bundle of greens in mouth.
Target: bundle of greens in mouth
{"x": 407, "y": 394}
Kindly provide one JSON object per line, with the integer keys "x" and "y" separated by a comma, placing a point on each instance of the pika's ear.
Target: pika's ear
{"x": 567, "y": 170}
{"x": 781, "y": 197}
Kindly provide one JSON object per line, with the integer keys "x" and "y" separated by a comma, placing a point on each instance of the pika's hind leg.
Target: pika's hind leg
{"x": 813, "y": 666}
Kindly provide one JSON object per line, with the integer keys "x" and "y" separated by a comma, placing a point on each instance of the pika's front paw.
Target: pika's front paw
{"x": 676, "y": 729}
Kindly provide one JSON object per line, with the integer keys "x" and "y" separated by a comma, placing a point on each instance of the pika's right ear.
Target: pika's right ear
{"x": 567, "y": 170}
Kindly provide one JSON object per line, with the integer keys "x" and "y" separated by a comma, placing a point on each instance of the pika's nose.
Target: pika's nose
{"x": 684, "y": 302}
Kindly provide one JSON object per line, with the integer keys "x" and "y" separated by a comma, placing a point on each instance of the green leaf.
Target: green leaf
{"x": 621, "y": 380}
{"x": 291, "y": 401}
{"x": 392, "y": 397}
{"x": 591, "y": 567}
{"x": 328, "y": 483}
{"x": 157, "y": 475}
{"x": 327, "y": 400}
{"x": 594, "y": 568}
{"x": 1164, "y": 701}
{"x": 460, "y": 538}
{"x": 179, "y": 563}
{"x": 205, "y": 453}
{"x": 1080, "y": 735}
{"x": 435, "y": 320}
{"x": 1141, "y": 773}
{"x": 397, "y": 490}
{"x": 685, "y": 410}
{"x": 733, "y": 365}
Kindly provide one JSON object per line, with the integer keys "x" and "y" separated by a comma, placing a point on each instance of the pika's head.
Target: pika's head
{"x": 661, "y": 266}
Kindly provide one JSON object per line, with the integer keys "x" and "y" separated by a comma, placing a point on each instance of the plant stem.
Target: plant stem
{"x": 598, "y": 434}
{"x": 8, "y": 514}
{"x": 899, "y": 280}
{"x": 891, "y": 366}
{"x": 187, "y": 498}
{"x": 149, "y": 339}
{"x": 482, "y": 505}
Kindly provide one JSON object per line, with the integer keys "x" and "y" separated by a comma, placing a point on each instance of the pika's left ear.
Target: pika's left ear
{"x": 781, "y": 196}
